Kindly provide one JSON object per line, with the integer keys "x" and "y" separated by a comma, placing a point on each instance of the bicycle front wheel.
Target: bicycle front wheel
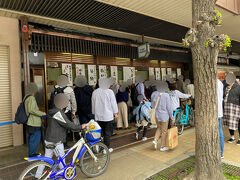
{"x": 178, "y": 122}
{"x": 30, "y": 172}
{"x": 89, "y": 166}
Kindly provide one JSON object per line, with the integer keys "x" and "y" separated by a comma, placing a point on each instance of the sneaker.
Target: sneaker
{"x": 36, "y": 155}
{"x": 154, "y": 144}
{"x": 144, "y": 138}
{"x": 136, "y": 135}
{"x": 110, "y": 150}
{"x": 238, "y": 142}
{"x": 163, "y": 149}
{"x": 222, "y": 157}
{"x": 231, "y": 140}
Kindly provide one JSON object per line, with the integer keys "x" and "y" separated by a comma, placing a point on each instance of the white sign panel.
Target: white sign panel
{"x": 114, "y": 72}
{"x": 67, "y": 69}
{"x": 151, "y": 71}
{"x": 157, "y": 73}
{"x": 179, "y": 72}
{"x": 129, "y": 73}
{"x": 163, "y": 73}
{"x": 80, "y": 69}
{"x": 92, "y": 75}
{"x": 169, "y": 71}
{"x": 102, "y": 71}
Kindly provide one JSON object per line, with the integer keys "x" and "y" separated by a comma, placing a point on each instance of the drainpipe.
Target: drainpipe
{"x": 25, "y": 43}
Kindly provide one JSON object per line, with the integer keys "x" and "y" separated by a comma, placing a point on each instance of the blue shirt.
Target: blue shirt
{"x": 140, "y": 89}
{"x": 164, "y": 109}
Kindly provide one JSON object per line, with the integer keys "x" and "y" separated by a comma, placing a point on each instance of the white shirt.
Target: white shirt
{"x": 174, "y": 96}
{"x": 220, "y": 97}
{"x": 104, "y": 104}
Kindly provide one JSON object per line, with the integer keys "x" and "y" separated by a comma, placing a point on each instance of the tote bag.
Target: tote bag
{"x": 153, "y": 111}
{"x": 172, "y": 140}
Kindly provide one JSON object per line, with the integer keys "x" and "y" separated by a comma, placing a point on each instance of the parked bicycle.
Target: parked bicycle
{"x": 91, "y": 156}
{"x": 184, "y": 117}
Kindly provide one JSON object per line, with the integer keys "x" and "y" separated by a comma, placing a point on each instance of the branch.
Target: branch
{"x": 190, "y": 38}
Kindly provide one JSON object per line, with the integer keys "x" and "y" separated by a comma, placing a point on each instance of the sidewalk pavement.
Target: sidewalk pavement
{"x": 141, "y": 161}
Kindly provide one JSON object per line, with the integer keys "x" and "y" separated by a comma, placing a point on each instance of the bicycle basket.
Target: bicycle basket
{"x": 94, "y": 131}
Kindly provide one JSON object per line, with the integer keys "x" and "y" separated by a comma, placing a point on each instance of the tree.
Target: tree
{"x": 205, "y": 46}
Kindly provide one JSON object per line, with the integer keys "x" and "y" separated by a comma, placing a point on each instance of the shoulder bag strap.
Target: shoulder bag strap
{"x": 158, "y": 99}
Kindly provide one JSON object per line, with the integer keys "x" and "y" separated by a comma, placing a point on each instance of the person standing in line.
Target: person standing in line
{"x": 122, "y": 99}
{"x": 164, "y": 111}
{"x": 140, "y": 87}
{"x": 220, "y": 114}
{"x": 83, "y": 93}
{"x": 104, "y": 108}
{"x": 34, "y": 120}
{"x": 62, "y": 87}
{"x": 231, "y": 111}
{"x": 179, "y": 83}
{"x": 175, "y": 95}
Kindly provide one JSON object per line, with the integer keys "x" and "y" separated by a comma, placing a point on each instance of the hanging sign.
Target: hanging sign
{"x": 129, "y": 73}
{"x": 151, "y": 72}
{"x": 92, "y": 75}
{"x": 179, "y": 72}
{"x": 143, "y": 50}
{"x": 163, "y": 70}
{"x": 114, "y": 72}
{"x": 67, "y": 69}
{"x": 102, "y": 71}
{"x": 157, "y": 72}
{"x": 169, "y": 72}
{"x": 80, "y": 69}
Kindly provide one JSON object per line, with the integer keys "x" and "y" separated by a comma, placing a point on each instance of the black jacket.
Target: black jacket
{"x": 58, "y": 125}
{"x": 234, "y": 95}
{"x": 83, "y": 97}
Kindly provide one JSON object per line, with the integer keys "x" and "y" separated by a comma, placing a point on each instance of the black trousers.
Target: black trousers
{"x": 106, "y": 131}
{"x": 232, "y": 131}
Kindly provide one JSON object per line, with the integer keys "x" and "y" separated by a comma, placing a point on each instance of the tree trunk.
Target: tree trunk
{"x": 208, "y": 161}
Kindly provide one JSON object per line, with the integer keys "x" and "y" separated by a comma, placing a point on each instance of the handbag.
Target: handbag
{"x": 153, "y": 111}
{"x": 172, "y": 139}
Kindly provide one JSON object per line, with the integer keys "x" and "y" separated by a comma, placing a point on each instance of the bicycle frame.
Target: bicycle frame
{"x": 81, "y": 146}
{"x": 184, "y": 118}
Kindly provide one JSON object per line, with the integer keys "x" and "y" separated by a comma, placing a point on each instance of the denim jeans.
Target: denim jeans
{"x": 33, "y": 141}
{"x": 221, "y": 135}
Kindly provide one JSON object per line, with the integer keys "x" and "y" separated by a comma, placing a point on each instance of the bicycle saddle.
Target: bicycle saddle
{"x": 50, "y": 146}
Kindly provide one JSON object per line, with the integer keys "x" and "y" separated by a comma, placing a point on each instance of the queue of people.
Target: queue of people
{"x": 109, "y": 102}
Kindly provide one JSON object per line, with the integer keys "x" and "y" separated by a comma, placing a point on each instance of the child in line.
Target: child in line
{"x": 142, "y": 113}
{"x": 57, "y": 128}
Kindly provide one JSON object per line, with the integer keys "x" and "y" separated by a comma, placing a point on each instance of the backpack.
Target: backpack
{"x": 21, "y": 115}
{"x": 134, "y": 94}
{"x": 56, "y": 91}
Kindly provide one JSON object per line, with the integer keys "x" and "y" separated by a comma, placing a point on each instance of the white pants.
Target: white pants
{"x": 49, "y": 153}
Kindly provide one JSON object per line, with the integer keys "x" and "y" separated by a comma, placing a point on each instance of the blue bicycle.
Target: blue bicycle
{"x": 184, "y": 117}
{"x": 91, "y": 156}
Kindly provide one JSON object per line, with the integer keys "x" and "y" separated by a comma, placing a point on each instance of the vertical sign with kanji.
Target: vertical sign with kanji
{"x": 67, "y": 69}
{"x": 80, "y": 69}
{"x": 92, "y": 75}
{"x": 114, "y": 72}
{"x": 102, "y": 71}
{"x": 157, "y": 73}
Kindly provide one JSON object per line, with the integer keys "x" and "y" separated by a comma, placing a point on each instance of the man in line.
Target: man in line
{"x": 105, "y": 109}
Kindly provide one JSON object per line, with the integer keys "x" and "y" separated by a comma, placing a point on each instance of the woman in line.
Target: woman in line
{"x": 164, "y": 111}
{"x": 231, "y": 111}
